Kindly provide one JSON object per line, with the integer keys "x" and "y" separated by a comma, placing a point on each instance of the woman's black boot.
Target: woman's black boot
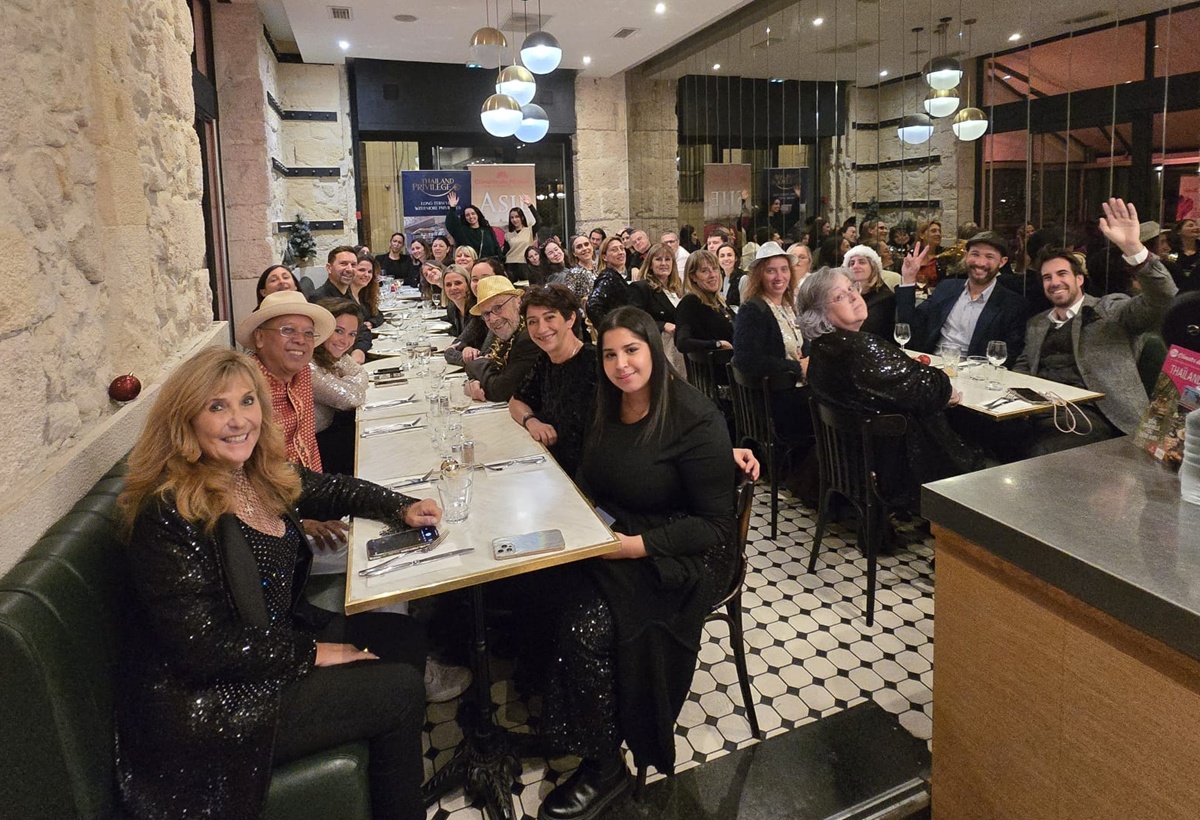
{"x": 588, "y": 793}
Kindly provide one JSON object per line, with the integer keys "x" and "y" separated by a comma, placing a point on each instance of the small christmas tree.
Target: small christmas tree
{"x": 301, "y": 245}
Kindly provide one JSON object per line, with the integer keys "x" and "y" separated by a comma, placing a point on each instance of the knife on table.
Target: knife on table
{"x": 383, "y": 569}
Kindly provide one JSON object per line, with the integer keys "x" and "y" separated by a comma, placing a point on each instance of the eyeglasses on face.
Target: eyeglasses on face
{"x": 852, "y": 290}
{"x": 289, "y": 332}
{"x": 495, "y": 312}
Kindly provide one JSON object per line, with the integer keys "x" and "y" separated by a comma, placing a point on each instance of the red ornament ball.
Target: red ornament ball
{"x": 124, "y": 388}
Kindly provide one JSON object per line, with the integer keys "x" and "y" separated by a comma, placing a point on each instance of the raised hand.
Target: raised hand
{"x": 1120, "y": 225}
{"x": 452, "y": 199}
{"x": 913, "y": 262}
{"x": 525, "y": 200}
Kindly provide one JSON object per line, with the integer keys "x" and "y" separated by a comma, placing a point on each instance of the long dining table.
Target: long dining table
{"x": 518, "y": 488}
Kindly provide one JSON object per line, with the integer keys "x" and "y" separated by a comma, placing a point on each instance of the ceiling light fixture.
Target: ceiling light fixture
{"x": 487, "y": 42}
{"x": 883, "y": 73}
{"x": 915, "y": 129}
{"x": 943, "y": 72}
{"x": 501, "y": 115}
{"x": 1012, "y": 38}
{"x": 661, "y": 8}
{"x": 818, "y": 21}
{"x": 941, "y": 102}
{"x": 517, "y": 82}
{"x": 716, "y": 66}
{"x": 540, "y": 52}
{"x": 534, "y": 123}
{"x": 971, "y": 123}
{"x": 343, "y": 45}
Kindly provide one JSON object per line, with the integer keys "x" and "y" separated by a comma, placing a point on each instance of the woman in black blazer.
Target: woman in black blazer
{"x": 703, "y": 320}
{"x": 659, "y": 290}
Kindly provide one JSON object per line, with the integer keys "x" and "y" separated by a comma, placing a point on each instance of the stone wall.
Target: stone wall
{"x": 601, "y": 154}
{"x": 653, "y": 149}
{"x": 103, "y": 234}
{"x": 944, "y": 171}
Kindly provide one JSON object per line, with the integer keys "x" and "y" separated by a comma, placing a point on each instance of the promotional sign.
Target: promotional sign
{"x": 723, "y": 187}
{"x": 1176, "y": 393}
{"x": 1188, "y": 206}
{"x": 790, "y": 186}
{"x": 496, "y": 189}
{"x": 424, "y": 197}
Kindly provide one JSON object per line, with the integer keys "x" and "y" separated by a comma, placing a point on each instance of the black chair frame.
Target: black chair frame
{"x": 756, "y": 425}
{"x": 846, "y": 451}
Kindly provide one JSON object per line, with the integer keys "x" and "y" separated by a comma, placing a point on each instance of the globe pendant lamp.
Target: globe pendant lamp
{"x": 534, "y": 123}
{"x": 970, "y": 124}
{"x": 501, "y": 115}
{"x": 915, "y": 129}
{"x": 518, "y": 83}
{"x": 943, "y": 73}
{"x": 541, "y": 53}
{"x": 486, "y": 44}
{"x": 941, "y": 103}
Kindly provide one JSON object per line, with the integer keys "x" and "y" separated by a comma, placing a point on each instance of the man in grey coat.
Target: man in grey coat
{"x": 1094, "y": 343}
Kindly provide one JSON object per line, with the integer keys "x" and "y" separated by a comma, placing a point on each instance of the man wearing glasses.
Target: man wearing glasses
{"x": 281, "y": 336}
{"x": 502, "y": 368}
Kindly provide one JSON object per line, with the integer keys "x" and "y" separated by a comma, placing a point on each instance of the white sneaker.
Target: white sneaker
{"x": 444, "y": 682}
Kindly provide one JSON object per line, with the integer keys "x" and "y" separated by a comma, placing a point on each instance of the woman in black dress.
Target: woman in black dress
{"x": 866, "y": 268}
{"x": 628, "y": 629}
{"x": 555, "y": 403}
{"x": 230, "y": 670}
{"x": 609, "y": 291}
{"x": 703, "y": 320}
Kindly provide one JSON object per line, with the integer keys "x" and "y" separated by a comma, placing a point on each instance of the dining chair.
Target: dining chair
{"x": 755, "y": 424}
{"x": 729, "y": 610}
{"x": 847, "y": 452}
{"x": 704, "y": 371}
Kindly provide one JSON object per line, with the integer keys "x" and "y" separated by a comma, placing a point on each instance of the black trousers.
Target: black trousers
{"x": 382, "y": 702}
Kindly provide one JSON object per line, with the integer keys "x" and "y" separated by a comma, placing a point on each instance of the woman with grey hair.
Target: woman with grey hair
{"x": 866, "y": 374}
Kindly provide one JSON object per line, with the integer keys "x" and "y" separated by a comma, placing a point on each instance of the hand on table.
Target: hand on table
{"x": 541, "y": 432}
{"x": 424, "y": 513}
{"x": 470, "y": 354}
{"x": 335, "y": 654}
{"x": 631, "y": 547}
{"x": 1120, "y": 225}
{"x": 913, "y": 262}
{"x": 475, "y": 390}
{"x": 746, "y": 462}
{"x": 955, "y": 398}
{"x": 326, "y": 535}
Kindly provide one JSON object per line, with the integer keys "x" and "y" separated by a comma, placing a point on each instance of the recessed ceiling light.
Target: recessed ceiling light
{"x": 716, "y": 66}
{"x": 1012, "y": 38}
{"x": 405, "y": 18}
{"x": 1006, "y": 77}
{"x": 777, "y": 79}
{"x": 661, "y": 8}
{"x": 343, "y": 45}
{"x": 883, "y": 73}
{"x": 587, "y": 60}
{"x": 818, "y": 21}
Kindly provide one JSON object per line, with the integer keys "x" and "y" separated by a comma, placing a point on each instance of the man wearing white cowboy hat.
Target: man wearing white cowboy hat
{"x": 501, "y": 369}
{"x": 282, "y": 334}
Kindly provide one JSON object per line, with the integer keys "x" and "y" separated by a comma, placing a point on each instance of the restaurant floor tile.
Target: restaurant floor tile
{"x": 810, "y": 655}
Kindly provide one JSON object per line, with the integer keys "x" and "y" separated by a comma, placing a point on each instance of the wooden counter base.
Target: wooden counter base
{"x": 1045, "y": 707}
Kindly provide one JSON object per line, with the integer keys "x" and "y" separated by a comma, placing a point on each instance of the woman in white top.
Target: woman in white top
{"x": 518, "y": 237}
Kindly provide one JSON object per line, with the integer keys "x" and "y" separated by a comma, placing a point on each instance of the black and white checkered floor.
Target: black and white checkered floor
{"x": 809, "y": 652}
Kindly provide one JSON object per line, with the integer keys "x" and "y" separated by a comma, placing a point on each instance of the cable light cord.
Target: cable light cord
{"x": 1072, "y": 416}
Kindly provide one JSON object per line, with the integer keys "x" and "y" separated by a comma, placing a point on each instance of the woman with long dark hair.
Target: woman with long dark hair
{"x": 339, "y": 388}
{"x": 274, "y": 279}
{"x": 364, "y": 289}
{"x": 627, "y": 630}
{"x": 472, "y": 230}
{"x": 519, "y": 235}
{"x": 229, "y": 671}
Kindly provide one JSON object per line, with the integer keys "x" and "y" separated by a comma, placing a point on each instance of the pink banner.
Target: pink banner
{"x": 1188, "y": 206}
{"x": 723, "y": 187}
{"x": 495, "y": 189}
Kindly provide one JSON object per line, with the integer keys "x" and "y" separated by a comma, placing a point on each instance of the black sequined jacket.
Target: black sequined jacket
{"x": 608, "y": 293}
{"x": 203, "y": 665}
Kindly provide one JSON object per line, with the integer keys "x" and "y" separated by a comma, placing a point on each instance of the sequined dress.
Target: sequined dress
{"x": 218, "y": 628}
{"x": 563, "y": 396}
{"x": 626, "y": 632}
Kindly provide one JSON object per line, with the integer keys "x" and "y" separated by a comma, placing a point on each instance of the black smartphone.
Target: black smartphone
{"x": 1029, "y": 394}
{"x": 389, "y": 371}
{"x": 416, "y": 539}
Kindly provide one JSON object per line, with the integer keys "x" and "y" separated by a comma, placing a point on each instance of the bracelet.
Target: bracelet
{"x": 527, "y": 418}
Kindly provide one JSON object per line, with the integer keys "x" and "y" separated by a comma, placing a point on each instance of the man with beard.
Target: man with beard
{"x": 967, "y": 313}
{"x": 1094, "y": 343}
{"x": 503, "y": 366}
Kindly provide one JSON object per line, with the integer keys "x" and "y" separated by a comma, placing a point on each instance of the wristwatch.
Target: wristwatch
{"x": 526, "y": 418}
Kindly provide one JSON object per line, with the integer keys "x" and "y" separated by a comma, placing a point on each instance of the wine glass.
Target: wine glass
{"x": 902, "y": 333}
{"x": 997, "y": 355}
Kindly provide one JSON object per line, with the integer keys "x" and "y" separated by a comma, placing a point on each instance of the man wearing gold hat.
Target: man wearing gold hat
{"x": 505, "y": 364}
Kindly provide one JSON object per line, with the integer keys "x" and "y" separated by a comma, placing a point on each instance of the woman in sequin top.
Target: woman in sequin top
{"x": 610, "y": 290}
{"x": 227, "y": 669}
{"x": 339, "y": 387}
{"x": 868, "y": 374}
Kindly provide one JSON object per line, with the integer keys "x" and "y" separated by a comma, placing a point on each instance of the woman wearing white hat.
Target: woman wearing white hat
{"x": 866, "y": 268}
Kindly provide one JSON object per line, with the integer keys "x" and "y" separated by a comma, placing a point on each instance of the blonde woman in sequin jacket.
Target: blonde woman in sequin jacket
{"x": 339, "y": 388}
{"x": 226, "y": 670}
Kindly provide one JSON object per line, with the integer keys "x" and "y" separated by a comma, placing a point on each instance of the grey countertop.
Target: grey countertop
{"x": 1104, "y": 523}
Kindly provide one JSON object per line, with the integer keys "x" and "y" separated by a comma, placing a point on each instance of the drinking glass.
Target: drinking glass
{"x": 902, "y": 333}
{"x": 997, "y": 354}
{"x": 975, "y": 368}
{"x": 951, "y": 356}
{"x": 460, "y": 400}
{"x": 454, "y": 489}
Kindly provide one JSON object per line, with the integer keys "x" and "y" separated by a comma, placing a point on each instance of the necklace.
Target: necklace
{"x": 249, "y": 507}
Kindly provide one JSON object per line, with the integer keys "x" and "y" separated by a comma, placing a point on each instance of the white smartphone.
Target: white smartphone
{"x": 531, "y": 543}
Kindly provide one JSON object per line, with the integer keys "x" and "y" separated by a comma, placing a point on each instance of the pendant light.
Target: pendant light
{"x": 971, "y": 123}
{"x": 518, "y": 83}
{"x": 915, "y": 129}
{"x": 501, "y": 115}
{"x": 540, "y": 52}
{"x": 941, "y": 102}
{"x": 534, "y": 123}
{"x": 943, "y": 73}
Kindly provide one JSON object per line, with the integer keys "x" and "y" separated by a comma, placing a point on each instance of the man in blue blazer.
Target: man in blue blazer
{"x": 967, "y": 312}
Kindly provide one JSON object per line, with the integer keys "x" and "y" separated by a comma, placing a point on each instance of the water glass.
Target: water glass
{"x": 997, "y": 355}
{"x": 951, "y": 355}
{"x": 454, "y": 490}
{"x": 902, "y": 334}
{"x": 976, "y": 368}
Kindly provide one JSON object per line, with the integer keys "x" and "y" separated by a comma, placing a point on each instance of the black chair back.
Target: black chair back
{"x": 755, "y": 424}
{"x": 846, "y": 452}
{"x": 705, "y": 369}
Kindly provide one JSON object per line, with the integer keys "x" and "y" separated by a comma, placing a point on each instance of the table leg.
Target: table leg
{"x": 485, "y": 765}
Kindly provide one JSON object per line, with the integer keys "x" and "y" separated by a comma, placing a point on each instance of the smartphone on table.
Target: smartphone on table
{"x": 415, "y": 539}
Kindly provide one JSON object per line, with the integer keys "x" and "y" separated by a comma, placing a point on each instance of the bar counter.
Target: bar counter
{"x": 1067, "y": 647}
